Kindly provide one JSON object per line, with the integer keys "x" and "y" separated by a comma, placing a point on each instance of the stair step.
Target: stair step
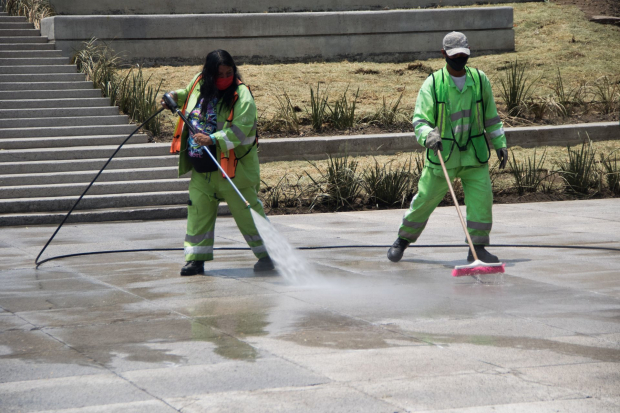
{"x": 15, "y": 25}
{"x": 108, "y": 175}
{"x": 84, "y": 152}
{"x": 54, "y": 166}
{"x": 17, "y": 54}
{"x": 98, "y": 188}
{"x": 58, "y": 112}
{"x": 27, "y": 46}
{"x": 7, "y": 126}
{"x": 64, "y": 203}
{"x": 23, "y": 39}
{"x": 54, "y": 103}
{"x": 36, "y": 132}
{"x": 18, "y": 86}
{"x": 28, "y": 61}
{"x": 70, "y": 141}
{"x": 19, "y": 32}
{"x": 5, "y": 18}
{"x": 159, "y": 212}
{"x": 44, "y": 78}
{"x": 50, "y": 94}
{"x": 37, "y": 69}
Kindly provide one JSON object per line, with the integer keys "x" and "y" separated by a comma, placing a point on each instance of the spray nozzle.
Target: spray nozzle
{"x": 169, "y": 101}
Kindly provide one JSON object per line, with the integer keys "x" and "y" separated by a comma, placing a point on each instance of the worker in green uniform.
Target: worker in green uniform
{"x": 222, "y": 110}
{"x": 454, "y": 109}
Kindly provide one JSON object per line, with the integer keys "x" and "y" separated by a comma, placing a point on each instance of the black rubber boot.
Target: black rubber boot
{"x": 263, "y": 264}
{"x": 396, "y": 251}
{"x": 193, "y": 268}
{"x": 483, "y": 255}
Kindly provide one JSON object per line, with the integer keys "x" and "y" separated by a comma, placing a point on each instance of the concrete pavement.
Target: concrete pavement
{"x": 125, "y": 333}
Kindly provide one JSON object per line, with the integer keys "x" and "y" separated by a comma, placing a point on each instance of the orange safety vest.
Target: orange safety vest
{"x": 228, "y": 164}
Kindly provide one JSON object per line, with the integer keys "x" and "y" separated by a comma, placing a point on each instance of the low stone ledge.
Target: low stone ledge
{"x": 384, "y": 36}
{"x": 116, "y": 7}
{"x": 292, "y": 149}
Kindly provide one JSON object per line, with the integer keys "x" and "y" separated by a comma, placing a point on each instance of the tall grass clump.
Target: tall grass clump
{"x": 285, "y": 119}
{"x": 97, "y": 61}
{"x": 516, "y": 87}
{"x": 342, "y": 115}
{"x": 529, "y": 174}
{"x": 579, "y": 171}
{"x": 33, "y": 10}
{"x": 137, "y": 97}
{"x": 390, "y": 114}
{"x": 612, "y": 172}
{"x": 390, "y": 187}
{"x": 339, "y": 186}
{"x": 607, "y": 93}
{"x": 568, "y": 98}
{"x": 318, "y": 108}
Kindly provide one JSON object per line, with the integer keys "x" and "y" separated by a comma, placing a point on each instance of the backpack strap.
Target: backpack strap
{"x": 178, "y": 131}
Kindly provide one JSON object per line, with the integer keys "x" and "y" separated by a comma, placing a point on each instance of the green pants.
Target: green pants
{"x": 432, "y": 187}
{"x": 202, "y": 212}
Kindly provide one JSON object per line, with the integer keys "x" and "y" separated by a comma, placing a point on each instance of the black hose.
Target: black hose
{"x": 324, "y": 247}
{"x": 333, "y": 247}
{"x": 36, "y": 261}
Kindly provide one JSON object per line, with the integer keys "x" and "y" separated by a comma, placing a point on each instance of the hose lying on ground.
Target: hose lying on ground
{"x": 333, "y": 247}
{"x": 324, "y": 247}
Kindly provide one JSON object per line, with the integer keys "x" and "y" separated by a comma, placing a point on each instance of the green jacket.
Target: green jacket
{"x": 239, "y": 135}
{"x": 463, "y": 117}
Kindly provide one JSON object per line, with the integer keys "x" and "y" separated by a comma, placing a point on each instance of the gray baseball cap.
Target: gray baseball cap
{"x": 455, "y": 43}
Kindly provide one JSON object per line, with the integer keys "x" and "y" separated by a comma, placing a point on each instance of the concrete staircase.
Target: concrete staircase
{"x": 56, "y": 132}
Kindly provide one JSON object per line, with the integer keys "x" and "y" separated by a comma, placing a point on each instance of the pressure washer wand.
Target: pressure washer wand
{"x": 172, "y": 105}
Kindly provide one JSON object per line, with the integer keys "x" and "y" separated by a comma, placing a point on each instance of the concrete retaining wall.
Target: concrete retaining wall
{"x": 82, "y": 7}
{"x": 291, "y": 149}
{"x": 382, "y": 36}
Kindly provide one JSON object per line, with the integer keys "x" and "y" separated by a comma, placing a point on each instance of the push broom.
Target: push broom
{"x": 477, "y": 267}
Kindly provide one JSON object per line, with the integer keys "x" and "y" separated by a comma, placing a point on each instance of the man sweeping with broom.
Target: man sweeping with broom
{"x": 455, "y": 107}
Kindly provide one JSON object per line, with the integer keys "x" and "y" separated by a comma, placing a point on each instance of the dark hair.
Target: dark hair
{"x": 208, "y": 91}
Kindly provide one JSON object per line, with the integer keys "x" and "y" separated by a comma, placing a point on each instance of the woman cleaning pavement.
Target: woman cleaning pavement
{"x": 455, "y": 107}
{"x": 222, "y": 108}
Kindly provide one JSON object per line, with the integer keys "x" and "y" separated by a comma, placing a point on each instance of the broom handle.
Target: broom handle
{"x": 456, "y": 203}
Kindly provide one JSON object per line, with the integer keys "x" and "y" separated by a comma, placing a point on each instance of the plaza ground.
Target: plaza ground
{"x": 125, "y": 333}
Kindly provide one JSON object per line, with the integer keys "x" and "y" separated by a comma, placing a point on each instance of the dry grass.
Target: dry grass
{"x": 548, "y": 36}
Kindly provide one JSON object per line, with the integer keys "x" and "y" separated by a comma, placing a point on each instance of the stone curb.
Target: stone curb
{"x": 312, "y": 148}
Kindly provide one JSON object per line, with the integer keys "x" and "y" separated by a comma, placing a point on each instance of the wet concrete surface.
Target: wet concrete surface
{"x": 125, "y": 333}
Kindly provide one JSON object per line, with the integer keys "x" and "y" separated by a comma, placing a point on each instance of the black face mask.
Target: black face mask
{"x": 458, "y": 63}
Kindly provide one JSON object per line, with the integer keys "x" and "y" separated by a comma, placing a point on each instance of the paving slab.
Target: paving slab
{"x": 355, "y": 332}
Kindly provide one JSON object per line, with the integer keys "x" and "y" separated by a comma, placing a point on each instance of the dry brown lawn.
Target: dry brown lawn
{"x": 548, "y": 37}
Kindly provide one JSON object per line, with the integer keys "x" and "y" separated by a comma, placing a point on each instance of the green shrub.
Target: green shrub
{"x": 342, "y": 115}
{"x": 136, "y": 97}
{"x": 390, "y": 114}
{"x": 528, "y": 175}
{"x": 612, "y": 172}
{"x": 390, "y": 187}
{"x": 568, "y": 99}
{"x": 516, "y": 87}
{"x": 285, "y": 119}
{"x": 338, "y": 187}
{"x": 318, "y": 108}
{"x": 97, "y": 61}
{"x": 607, "y": 93}
{"x": 579, "y": 172}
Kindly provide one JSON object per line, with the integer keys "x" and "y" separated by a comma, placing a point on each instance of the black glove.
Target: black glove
{"x": 502, "y": 155}
{"x": 433, "y": 140}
